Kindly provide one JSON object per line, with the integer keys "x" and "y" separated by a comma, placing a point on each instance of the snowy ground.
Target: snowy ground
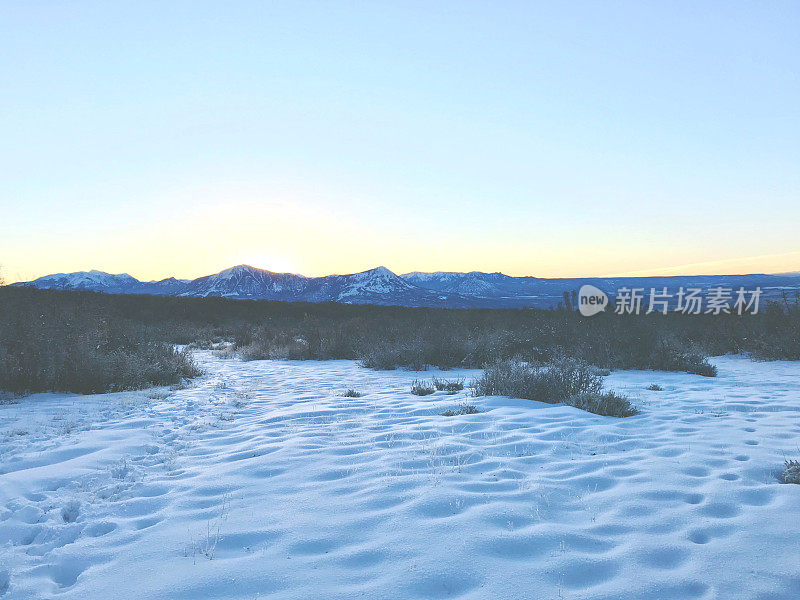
{"x": 259, "y": 481}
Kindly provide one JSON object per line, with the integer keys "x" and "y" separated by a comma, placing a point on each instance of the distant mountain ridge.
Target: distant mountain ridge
{"x": 375, "y": 286}
{"x": 382, "y": 286}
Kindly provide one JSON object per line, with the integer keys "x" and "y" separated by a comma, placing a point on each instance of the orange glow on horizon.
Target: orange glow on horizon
{"x": 272, "y": 261}
{"x": 301, "y": 237}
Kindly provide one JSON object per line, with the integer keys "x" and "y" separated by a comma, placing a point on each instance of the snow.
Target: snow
{"x": 375, "y": 281}
{"x": 260, "y": 481}
{"x": 86, "y": 280}
{"x": 236, "y": 271}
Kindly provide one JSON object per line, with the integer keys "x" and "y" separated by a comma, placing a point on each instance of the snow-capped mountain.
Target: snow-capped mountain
{"x": 469, "y": 284}
{"x": 244, "y": 281}
{"x": 166, "y": 287}
{"x": 376, "y": 286}
{"x": 87, "y": 280}
{"x": 382, "y": 286}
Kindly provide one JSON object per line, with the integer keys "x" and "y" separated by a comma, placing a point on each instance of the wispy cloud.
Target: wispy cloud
{"x": 763, "y": 263}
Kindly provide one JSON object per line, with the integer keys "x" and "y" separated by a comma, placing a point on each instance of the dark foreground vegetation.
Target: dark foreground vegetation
{"x": 81, "y": 343}
{"x": 90, "y": 342}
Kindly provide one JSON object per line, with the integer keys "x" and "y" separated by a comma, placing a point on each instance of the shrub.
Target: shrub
{"x": 420, "y": 388}
{"x": 463, "y": 409}
{"x": 384, "y": 357}
{"x": 449, "y": 386}
{"x": 670, "y": 355}
{"x": 351, "y": 393}
{"x": 207, "y": 343}
{"x": 654, "y": 387}
{"x": 550, "y": 383}
{"x": 609, "y": 404}
{"x": 251, "y": 352}
{"x": 779, "y": 336}
{"x": 791, "y": 473}
{"x": 702, "y": 367}
{"x": 7, "y": 398}
{"x": 567, "y": 380}
{"x": 224, "y": 352}
{"x": 275, "y": 347}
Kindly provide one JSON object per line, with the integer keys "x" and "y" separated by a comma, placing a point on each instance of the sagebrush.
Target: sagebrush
{"x": 791, "y": 472}
{"x": 568, "y": 380}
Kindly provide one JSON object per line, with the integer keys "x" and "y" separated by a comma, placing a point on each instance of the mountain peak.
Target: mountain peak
{"x": 378, "y": 274}
{"x": 381, "y": 271}
{"x": 237, "y": 270}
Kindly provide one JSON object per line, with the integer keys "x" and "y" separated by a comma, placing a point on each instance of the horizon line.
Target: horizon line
{"x": 639, "y": 274}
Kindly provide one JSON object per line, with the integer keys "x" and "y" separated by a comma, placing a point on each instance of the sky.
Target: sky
{"x": 533, "y": 138}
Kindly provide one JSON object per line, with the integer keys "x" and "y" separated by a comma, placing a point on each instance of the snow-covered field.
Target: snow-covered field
{"x": 260, "y": 481}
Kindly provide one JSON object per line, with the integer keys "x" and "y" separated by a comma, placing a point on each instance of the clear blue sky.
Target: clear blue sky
{"x": 543, "y": 138}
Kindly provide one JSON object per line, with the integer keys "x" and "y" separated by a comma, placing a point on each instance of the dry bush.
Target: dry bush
{"x": 791, "y": 472}
{"x": 609, "y": 404}
{"x": 420, "y": 388}
{"x": 551, "y": 383}
{"x": 463, "y": 409}
{"x": 451, "y": 386}
{"x": 567, "y": 380}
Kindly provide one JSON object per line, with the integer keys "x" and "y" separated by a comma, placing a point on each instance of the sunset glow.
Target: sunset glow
{"x": 365, "y": 139}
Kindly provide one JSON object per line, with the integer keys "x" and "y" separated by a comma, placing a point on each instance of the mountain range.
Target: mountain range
{"x": 382, "y": 286}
